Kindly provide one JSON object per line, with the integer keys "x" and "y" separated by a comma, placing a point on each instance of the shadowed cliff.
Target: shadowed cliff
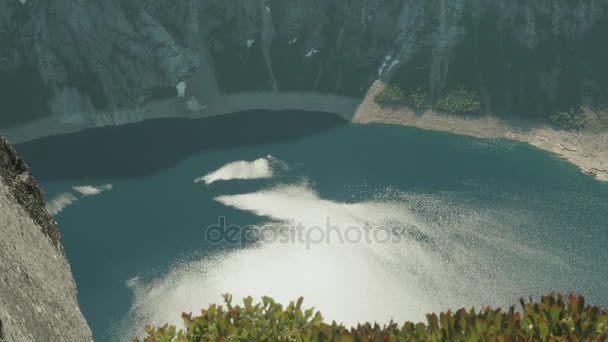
{"x": 66, "y": 58}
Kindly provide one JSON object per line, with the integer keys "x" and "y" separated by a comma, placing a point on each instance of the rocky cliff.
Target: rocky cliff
{"x": 37, "y": 291}
{"x": 71, "y": 58}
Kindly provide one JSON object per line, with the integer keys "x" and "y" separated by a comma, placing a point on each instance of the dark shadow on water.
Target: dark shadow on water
{"x": 142, "y": 148}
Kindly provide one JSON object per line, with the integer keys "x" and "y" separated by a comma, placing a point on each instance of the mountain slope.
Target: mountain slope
{"x": 75, "y": 58}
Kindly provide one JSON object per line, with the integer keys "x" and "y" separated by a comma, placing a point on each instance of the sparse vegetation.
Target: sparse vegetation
{"x": 460, "y": 101}
{"x": 554, "y": 318}
{"x": 575, "y": 119}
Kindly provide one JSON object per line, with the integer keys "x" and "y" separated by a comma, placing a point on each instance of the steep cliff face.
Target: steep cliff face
{"x": 80, "y": 56}
{"x": 522, "y": 57}
{"x": 87, "y": 55}
{"x": 37, "y": 291}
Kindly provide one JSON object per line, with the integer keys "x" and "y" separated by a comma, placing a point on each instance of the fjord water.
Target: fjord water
{"x": 486, "y": 222}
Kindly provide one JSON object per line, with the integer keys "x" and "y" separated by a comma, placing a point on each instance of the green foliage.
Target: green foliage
{"x": 391, "y": 95}
{"x": 394, "y": 95}
{"x": 555, "y": 317}
{"x": 460, "y": 101}
{"x": 457, "y": 101}
{"x": 575, "y": 118}
{"x": 602, "y": 115}
{"x": 419, "y": 100}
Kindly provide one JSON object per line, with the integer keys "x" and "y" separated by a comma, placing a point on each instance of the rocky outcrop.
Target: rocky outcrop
{"x": 26, "y": 192}
{"x": 77, "y": 57}
{"x": 37, "y": 291}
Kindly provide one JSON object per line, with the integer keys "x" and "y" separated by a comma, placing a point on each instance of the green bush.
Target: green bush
{"x": 575, "y": 118}
{"x": 391, "y": 95}
{"x": 394, "y": 95}
{"x": 555, "y": 317}
{"x": 419, "y": 100}
{"x": 602, "y": 115}
{"x": 460, "y": 101}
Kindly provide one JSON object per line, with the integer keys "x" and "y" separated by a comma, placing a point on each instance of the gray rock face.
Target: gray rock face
{"x": 37, "y": 291}
{"x": 90, "y": 55}
{"x": 26, "y": 192}
{"x": 76, "y": 57}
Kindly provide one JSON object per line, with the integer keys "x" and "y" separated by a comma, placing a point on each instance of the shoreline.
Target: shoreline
{"x": 586, "y": 150}
{"x": 343, "y": 106}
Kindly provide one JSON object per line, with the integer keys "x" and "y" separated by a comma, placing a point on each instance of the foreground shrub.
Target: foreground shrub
{"x": 575, "y": 118}
{"x": 460, "y": 101}
{"x": 555, "y": 317}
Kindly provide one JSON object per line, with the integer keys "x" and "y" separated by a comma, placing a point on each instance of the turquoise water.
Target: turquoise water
{"x": 484, "y": 222}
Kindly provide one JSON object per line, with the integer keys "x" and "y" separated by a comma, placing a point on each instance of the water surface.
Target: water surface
{"x": 483, "y": 222}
